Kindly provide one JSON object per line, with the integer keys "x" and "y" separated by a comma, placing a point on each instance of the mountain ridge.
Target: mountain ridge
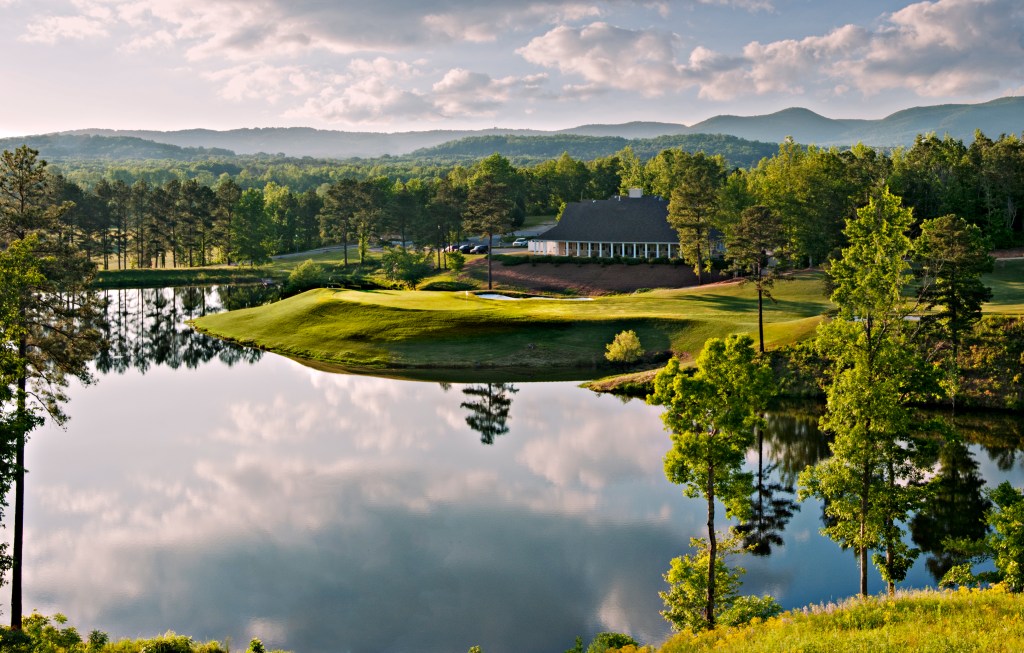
{"x": 994, "y": 118}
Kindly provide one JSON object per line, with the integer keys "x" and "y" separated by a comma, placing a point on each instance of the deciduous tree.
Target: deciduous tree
{"x": 712, "y": 415}
{"x": 869, "y": 484}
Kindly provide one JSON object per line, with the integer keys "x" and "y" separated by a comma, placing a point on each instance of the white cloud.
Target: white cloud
{"x": 54, "y": 29}
{"x": 263, "y": 82}
{"x": 941, "y": 48}
{"x": 462, "y": 92}
{"x": 936, "y": 48}
{"x": 605, "y": 55}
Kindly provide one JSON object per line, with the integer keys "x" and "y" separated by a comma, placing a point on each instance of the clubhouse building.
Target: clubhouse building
{"x": 634, "y": 226}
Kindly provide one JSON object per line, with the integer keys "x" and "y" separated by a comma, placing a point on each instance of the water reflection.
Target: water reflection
{"x": 145, "y": 327}
{"x": 955, "y": 508}
{"x": 1002, "y": 435}
{"x": 772, "y": 506}
{"x": 326, "y": 512}
{"x": 792, "y": 434}
{"x": 488, "y": 407}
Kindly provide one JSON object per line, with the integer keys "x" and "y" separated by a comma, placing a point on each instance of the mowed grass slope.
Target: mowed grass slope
{"x": 1007, "y": 284}
{"x": 396, "y": 329}
{"x": 391, "y": 329}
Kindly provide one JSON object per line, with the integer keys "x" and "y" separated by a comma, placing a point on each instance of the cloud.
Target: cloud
{"x": 92, "y": 20}
{"x": 942, "y": 48}
{"x": 240, "y": 29}
{"x": 606, "y": 56}
{"x": 262, "y": 82}
{"x": 462, "y": 92}
{"x": 935, "y": 48}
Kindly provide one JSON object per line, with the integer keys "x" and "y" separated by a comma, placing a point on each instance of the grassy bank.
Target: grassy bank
{"x": 459, "y": 330}
{"x": 167, "y": 277}
{"x": 923, "y": 622}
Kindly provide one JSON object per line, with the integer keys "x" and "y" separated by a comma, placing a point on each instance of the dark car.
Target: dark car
{"x": 466, "y": 249}
{"x": 479, "y": 249}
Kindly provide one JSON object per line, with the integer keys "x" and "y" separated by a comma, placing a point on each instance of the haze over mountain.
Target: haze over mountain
{"x": 1001, "y": 116}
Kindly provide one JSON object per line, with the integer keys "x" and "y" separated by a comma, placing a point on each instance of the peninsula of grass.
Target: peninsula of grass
{"x": 407, "y": 332}
{"x": 922, "y": 621}
{"x": 167, "y": 277}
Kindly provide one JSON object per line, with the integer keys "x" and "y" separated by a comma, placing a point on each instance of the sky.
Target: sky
{"x": 401, "y": 65}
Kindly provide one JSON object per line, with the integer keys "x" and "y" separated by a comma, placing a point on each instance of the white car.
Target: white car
{"x": 519, "y": 242}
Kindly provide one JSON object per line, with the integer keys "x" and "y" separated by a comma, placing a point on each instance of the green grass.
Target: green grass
{"x": 408, "y": 329}
{"x": 164, "y": 277}
{"x": 923, "y": 622}
{"x": 1007, "y": 284}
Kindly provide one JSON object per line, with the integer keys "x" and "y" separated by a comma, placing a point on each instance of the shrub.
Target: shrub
{"x": 603, "y": 642}
{"x": 405, "y": 266}
{"x": 457, "y": 260}
{"x": 625, "y": 348}
{"x": 448, "y": 285}
{"x": 686, "y": 597}
{"x": 306, "y": 275}
{"x": 747, "y": 608}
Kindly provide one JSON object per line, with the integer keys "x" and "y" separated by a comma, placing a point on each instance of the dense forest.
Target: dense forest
{"x": 194, "y": 213}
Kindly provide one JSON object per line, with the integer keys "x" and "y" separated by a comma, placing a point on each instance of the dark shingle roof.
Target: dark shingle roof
{"x": 623, "y": 220}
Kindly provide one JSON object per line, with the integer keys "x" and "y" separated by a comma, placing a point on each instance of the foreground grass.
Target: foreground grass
{"x": 922, "y": 621}
{"x": 408, "y": 329}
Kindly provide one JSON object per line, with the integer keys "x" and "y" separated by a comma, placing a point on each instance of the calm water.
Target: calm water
{"x": 221, "y": 493}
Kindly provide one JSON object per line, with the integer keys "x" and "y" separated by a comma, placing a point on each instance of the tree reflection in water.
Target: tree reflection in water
{"x": 772, "y": 507}
{"x": 488, "y": 409}
{"x": 146, "y": 327}
{"x": 955, "y": 508}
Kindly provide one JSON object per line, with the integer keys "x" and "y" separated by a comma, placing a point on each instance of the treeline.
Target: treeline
{"x": 216, "y": 212}
{"x": 85, "y": 146}
{"x": 737, "y": 152}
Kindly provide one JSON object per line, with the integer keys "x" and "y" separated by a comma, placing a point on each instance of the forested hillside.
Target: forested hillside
{"x": 1001, "y": 116}
{"x": 58, "y": 147}
{"x": 737, "y": 151}
{"x": 229, "y": 209}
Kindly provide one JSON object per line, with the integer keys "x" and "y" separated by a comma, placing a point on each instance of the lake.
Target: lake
{"x": 224, "y": 493}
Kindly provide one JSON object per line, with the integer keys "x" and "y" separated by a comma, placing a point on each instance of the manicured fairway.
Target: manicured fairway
{"x": 413, "y": 330}
{"x": 409, "y": 329}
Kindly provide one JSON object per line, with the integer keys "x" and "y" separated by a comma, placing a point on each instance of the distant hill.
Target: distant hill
{"x": 1002, "y": 116}
{"x": 630, "y": 130}
{"x": 305, "y": 141}
{"x": 737, "y": 151}
{"x": 57, "y": 147}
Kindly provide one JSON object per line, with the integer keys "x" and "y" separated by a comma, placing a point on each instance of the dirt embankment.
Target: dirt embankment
{"x": 586, "y": 278}
{"x": 1008, "y": 253}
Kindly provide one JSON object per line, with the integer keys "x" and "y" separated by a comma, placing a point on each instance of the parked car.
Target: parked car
{"x": 466, "y": 249}
{"x": 479, "y": 249}
{"x": 520, "y": 242}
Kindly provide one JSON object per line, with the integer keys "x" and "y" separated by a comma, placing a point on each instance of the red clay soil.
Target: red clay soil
{"x": 585, "y": 278}
{"x": 1008, "y": 253}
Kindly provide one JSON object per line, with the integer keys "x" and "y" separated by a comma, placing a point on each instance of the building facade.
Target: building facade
{"x": 634, "y": 226}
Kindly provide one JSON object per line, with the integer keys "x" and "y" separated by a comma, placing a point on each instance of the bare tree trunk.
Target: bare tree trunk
{"x": 760, "y": 316}
{"x": 19, "y": 493}
{"x": 709, "y": 610}
{"x": 862, "y": 550}
{"x": 490, "y": 246}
